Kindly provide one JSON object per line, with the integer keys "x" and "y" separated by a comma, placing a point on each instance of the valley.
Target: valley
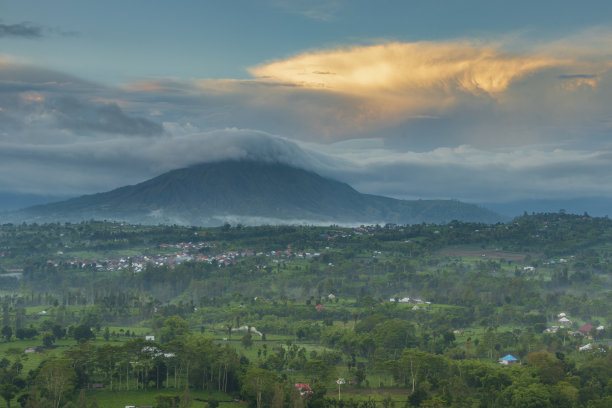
{"x": 405, "y": 315}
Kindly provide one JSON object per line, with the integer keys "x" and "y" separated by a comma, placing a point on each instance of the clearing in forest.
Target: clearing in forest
{"x": 482, "y": 253}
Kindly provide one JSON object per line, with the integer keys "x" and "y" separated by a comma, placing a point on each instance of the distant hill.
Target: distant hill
{"x": 16, "y": 201}
{"x": 594, "y": 206}
{"x": 250, "y": 193}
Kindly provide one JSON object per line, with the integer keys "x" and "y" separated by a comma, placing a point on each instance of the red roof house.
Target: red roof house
{"x": 303, "y": 388}
{"x": 586, "y": 329}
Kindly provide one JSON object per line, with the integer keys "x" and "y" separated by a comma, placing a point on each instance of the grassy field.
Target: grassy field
{"x": 482, "y": 254}
{"x": 120, "y": 399}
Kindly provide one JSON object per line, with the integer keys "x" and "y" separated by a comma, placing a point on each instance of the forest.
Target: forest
{"x": 108, "y": 314}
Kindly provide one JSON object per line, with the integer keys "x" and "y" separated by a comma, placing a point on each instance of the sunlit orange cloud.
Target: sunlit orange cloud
{"x": 147, "y": 86}
{"x": 403, "y": 67}
{"x": 331, "y": 114}
{"x": 572, "y": 84}
{"x": 12, "y": 60}
{"x": 118, "y": 102}
{"x": 363, "y": 88}
{"x": 32, "y": 97}
{"x": 393, "y": 82}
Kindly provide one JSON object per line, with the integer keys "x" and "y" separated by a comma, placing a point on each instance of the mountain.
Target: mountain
{"x": 15, "y": 201}
{"x": 594, "y": 206}
{"x": 250, "y": 193}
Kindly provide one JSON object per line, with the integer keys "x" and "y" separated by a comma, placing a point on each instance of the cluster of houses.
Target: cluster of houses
{"x": 563, "y": 321}
{"x": 550, "y": 262}
{"x": 186, "y": 251}
{"x": 361, "y": 230}
{"x": 555, "y": 261}
{"x": 409, "y": 300}
{"x": 587, "y": 331}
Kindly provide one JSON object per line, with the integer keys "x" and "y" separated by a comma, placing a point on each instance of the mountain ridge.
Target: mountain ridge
{"x": 247, "y": 191}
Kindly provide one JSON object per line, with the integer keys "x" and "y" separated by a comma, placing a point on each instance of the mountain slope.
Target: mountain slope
{"x": 250, "y": 193}
{"x": 15, "y": 201}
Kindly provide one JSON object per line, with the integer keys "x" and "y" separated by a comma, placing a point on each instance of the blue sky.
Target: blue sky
{"x": 115, "y": 41}
{"x": 476, "y": 100}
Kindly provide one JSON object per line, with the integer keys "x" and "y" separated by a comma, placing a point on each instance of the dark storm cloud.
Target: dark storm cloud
{"x": 15, "y": 77}
{"x": 21, "y": 30}
{"x": 88, "y": 165}
{"x": 38, "y": 101}
{"x": 472, "y": 174}
{"x": 578, "y": 76}
{"x": 78, "y": 115}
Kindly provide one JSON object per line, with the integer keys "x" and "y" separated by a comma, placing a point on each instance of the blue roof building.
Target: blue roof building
{"x": 508, "y": 360}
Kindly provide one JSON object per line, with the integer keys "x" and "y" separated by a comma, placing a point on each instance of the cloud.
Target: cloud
{"x": 21, "y": 30}
{"x": 392, "y": 84}
{"x": 475, "y": 175}
{"x": 460, "y": 119}
{"x": 22, "y": 75}
{"x": 463, "y": 172}
{"x": 573, "y": 82}
{"x": 402, "y": 68}
{"x": 321, "y": 10}
{"x": 92, "y": 165}
{"x": 591, "y": 44}
{"x": 29, "y": 30}
{"x": 426, "y": 93}
{"x": 63, "y": 164}
{"x": 78, "y": 116}
{"x": 578, "y": 76}
{"x": 36, "y": 101}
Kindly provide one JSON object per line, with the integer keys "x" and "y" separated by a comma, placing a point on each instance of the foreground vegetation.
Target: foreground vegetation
{"x": 107, "y": 314}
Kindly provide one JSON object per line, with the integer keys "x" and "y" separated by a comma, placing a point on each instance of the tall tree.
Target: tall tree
{"x": 258, "y": 385}
{"x": 57, "y": 379}
{"x": 8, "y": 392}
{"x": 82, "y": 400}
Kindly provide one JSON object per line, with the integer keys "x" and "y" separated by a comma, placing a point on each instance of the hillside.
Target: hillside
{"x": 250, "y": 193}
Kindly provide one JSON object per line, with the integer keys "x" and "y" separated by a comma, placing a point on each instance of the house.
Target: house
{"x": 552, "y": 329}
{"x": 565, "y": 320}
{"x": 560, "y": 315}
{"x": 303, "y": 388}
{"x": 150, "y": 338}
{"x": 592, "y": 347}
{"x": 319, "y": 307}
{"x": 508, "y": 360}
{"x": 586, "y": 329}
